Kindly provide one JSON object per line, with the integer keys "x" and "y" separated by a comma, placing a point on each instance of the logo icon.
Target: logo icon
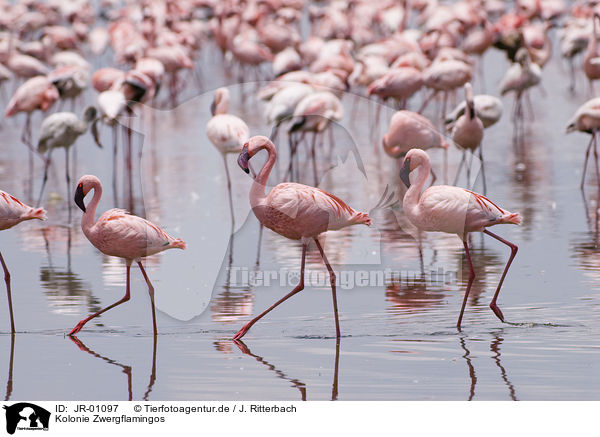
{"x": 26, "y": 416}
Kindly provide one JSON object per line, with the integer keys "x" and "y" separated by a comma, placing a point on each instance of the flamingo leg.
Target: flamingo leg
{"x": 596, "y": 157}
{"x": 469, "y": 284}
{"x": 151, "y": 293}
{"x": 333, "y": 293}
{"x": 68, "y": 177}
{"x": 125, "y": 298}
{"x": 513, "y": 252}
{"x": 297, "y": 289}
{"x": 587, "y": 155}
{"x": 8, "y": 294}
{"x": 426, "y": 102}
{"x": 45, "y": 179}
{"x": 260, "y": 232}
{"x": 9, "y": 382}
{"x": 314, "y": 159}
{"x": 114, "y": 181}
{"x": 482, "y": 169}
{"x": 462, "y": 161}
{"x": 433, "y": 177}
{"x": 229, "y": 191}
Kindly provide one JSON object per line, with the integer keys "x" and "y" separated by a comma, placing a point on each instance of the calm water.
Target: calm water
{"x": 399, "y": 338}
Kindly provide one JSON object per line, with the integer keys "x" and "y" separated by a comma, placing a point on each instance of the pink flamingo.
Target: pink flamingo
{"x": 467, "y": 134}
{"x": 587, "y": 119}
{"x": 297, "y": 212}
{"x": 227, "y": 132}
{"x": 591, "y": 61}
{"x": 118, "y": 233}
{"x": 399, "y": 83}
{"x": 13, "y": 212}
{"x": 454, "y": 210}
{"x": 410, "y": 130}
{"x": 36, "y": 93}
{"x": 313, "y": 114}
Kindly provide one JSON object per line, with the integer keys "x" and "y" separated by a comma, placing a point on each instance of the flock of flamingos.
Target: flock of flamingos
{"x": 407, "y": 53}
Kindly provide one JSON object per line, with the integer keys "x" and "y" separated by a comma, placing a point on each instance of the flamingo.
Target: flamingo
{"x": 399, "y": 83}
{"x": 36, "y": 93}
{"x": 522, "y": 75}
{"x": 467, "y": 134}
{"x": 591, "y": 61}
{"x": 454, "y": 210}
{"x": 409, "y": 130}
{"x": 313, "y": 114}
{"x": 62, "y": 129}
{"x": 13, "y": 212}
{"x": 587, "y": 119}
{"x": 445, "y": 75}
{"x": 227, "y": 133}
{"x": 118, "y": 233}
{"x": 284, "y": 102}
{"x": 297, "y": 212}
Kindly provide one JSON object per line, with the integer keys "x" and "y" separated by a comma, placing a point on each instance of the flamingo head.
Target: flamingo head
{"x": 220, "y": 101}
{"x": 413, "y": 159}
{"x": 84, "y": 186}
{"x": 251, "y": 148}
{"x": 405, "y": 172}
{"x": 244, "y": 158}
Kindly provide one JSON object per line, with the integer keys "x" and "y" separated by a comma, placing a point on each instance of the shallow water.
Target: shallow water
{"x": 399, "y": 340}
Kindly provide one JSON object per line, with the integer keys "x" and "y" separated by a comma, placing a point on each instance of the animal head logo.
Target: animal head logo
{"x": 26, "y": 416}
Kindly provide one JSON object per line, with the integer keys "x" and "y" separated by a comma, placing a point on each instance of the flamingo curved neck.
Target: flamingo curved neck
{"x": 257, "y": 192}
{"x": 411, "y": 198}
{"x": 87, "y": 219}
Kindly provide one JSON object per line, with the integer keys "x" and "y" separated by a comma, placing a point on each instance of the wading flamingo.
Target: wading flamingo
{"x": 521, "y": 75}
{"x": 587, "y": 119}
{"x": 297, "y": 212}
{"x": 454, "y": 210}
{"x": 36, "y": 93}
{"x": 591, "y": 61}
{"x": 467, "y": 134}
{"x": 62, "y": 129}
{"x": 13, "y": 212}
{"x": 227, "y": 132}
{"x": 118, "y": 233}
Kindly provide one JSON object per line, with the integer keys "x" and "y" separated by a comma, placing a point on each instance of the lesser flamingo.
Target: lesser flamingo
{"x": 227, "y": 133}
{"x": 118, "y": 233}
{"x": 297, "y": 212}
{"x": 13, "y": 212}
{"x": 587, "y": 119}
{"x": 454, "y": 210}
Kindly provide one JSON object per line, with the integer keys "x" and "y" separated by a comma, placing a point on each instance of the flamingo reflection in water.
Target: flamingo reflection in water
{"x": 296, "y": 383}
{"x": 127, "y": 370}
{"x": 495, "y": 349}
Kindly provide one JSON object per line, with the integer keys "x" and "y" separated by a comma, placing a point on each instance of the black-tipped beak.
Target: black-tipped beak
{"x": 243, "y": 159}
{"x": 79, "y": 197}
{"x": 213, "y": 107}
{"x": 405, "y": 172}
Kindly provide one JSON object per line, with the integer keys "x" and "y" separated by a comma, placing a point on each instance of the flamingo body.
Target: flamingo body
{"x": 36, "y": 93}
{"x": 454, "y": 210}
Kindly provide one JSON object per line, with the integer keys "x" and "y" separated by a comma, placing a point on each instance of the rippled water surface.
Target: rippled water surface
{"x": 399, "y": 340}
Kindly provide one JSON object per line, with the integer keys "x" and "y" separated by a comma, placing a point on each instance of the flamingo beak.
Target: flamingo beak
{"x": 243, "y": 159}
{"x": 79, "y": 197}
{"x": 213, "y": 107}
{"x": 405, "y": 172}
